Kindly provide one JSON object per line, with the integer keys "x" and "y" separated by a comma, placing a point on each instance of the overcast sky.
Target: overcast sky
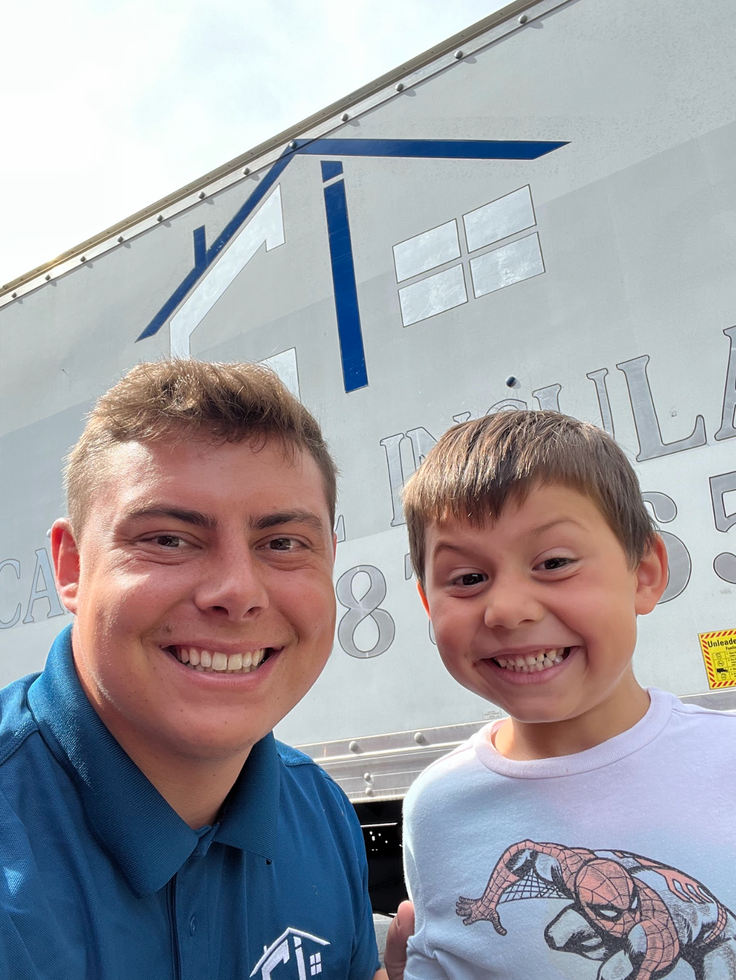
{"x": 108, "y": 105}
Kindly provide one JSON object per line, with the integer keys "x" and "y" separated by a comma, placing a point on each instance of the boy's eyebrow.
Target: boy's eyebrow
{"x": 535, "y": 532}
{"x": 448, "y": 546}
{"x": 194, "y": 517}
{"x": 550, "y": 524}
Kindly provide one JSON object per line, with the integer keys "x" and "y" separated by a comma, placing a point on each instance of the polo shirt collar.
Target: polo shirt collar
{"x": 144, "y": 836}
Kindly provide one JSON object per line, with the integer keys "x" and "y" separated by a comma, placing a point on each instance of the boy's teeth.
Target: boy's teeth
{"x": 532, "y": 662}
{"x": 209, "y": 663}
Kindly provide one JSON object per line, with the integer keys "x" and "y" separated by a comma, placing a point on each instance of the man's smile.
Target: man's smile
{"x": 215, "y": 661}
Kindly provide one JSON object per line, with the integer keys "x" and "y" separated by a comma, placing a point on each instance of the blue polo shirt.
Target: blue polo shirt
{"x": 101, "y": 879}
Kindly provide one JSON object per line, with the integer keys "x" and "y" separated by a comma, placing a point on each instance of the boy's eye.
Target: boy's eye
{"x": 552, "y": 564}
{"x": 469, "y": 579}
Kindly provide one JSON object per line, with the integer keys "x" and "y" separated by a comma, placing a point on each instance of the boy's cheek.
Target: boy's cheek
{"x": 454, "y": 665}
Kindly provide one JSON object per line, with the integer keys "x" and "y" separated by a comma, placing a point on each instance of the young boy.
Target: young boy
{"x": 592, "y": 834}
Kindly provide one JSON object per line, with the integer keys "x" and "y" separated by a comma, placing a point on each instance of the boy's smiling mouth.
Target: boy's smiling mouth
{"x": 216, "y": 662}
{"x": 533, "y": 662}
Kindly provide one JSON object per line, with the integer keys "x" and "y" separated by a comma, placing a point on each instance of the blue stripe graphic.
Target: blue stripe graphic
{"x": 203, "y": 257}
{"x": 352, "y": 353}
{"x": 331, "y": 168}
{"x": 432, "y": 149}
{"x": 418, "y": 149}
{"x": 200, "y": 247}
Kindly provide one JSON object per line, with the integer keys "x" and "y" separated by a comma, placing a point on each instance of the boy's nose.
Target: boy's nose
{"x": 233, "y": 586}
{"x": 510, "y": 605}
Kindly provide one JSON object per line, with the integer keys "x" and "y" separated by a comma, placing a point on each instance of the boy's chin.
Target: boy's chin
{"x": 581, "y": 722}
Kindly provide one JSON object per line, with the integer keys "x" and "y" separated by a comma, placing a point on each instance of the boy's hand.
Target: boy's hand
{"x": 399, "y": 931}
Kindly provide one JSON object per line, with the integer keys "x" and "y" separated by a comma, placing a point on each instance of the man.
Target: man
{"x": 151, "y": 825}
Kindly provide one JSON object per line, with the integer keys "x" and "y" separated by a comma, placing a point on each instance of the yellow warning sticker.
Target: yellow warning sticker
{"x": 719, "y": 654}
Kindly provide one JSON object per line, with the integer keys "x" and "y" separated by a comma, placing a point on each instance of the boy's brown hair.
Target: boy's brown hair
{"x": 181, "y": 399}
{"x": 477, "y": 467}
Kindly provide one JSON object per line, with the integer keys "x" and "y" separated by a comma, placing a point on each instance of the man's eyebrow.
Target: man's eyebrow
{"x": 281, "y": 517}
{"x": 194, "y": 517}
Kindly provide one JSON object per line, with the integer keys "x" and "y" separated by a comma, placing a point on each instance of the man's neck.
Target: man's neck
{"x": 546, "y": 740}
{"x": 196, "y": 789}
{"x": 194, "y": 786}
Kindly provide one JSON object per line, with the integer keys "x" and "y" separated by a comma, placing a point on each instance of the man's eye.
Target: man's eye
{"x": 283, "y": 544}
{"x": 170, "y": 541}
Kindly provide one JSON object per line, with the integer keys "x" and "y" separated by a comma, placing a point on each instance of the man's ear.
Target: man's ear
{"x": 423, "y": 596}
{"x": 65, "y": 554}
{"x": 652, "y": 576}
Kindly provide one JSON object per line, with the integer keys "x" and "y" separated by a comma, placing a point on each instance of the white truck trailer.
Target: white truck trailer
{"x": 539, "y": 212}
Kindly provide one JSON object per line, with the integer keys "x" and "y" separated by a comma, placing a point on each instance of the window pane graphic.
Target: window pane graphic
{"x": 426, "y": 251}
{"x": 435, "y": 294}
{"x": 503, "y": 266}
{"x": 499, "y": 219}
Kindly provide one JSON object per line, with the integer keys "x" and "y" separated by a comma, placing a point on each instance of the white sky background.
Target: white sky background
{"x": 108, "y": 105}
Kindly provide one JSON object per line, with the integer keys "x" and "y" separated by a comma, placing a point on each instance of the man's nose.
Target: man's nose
{"x": 233, "y": 584}
{"x": 510, "y": 603}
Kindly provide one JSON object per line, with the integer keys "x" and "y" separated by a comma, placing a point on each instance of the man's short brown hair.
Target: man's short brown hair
{"x": 180, "y": 399}
{"x": 477, "y": 467}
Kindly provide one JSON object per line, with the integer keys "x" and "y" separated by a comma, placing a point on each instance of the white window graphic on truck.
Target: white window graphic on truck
{"x": 494, "y": 250}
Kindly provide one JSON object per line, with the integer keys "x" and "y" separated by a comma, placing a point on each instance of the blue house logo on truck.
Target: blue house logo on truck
{"x": 186, "y": 307}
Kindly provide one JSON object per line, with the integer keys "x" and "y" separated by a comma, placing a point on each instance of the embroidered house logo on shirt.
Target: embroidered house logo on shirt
{"x": 295, "y": 955}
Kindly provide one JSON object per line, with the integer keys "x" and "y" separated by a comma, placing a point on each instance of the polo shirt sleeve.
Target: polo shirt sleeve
{"x": 32, "y": 946}
{"x": 324, "y": 869}
{"x": 364, "y": 960}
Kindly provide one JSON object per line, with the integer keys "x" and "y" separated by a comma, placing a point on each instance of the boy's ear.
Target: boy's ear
{"x": 652, "y": 576}
{"x": 65, "y": 556}
{"x": 423, "y": 596}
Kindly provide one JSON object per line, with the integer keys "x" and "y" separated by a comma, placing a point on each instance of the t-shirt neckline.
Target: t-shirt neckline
{"x": 612, "y": 750}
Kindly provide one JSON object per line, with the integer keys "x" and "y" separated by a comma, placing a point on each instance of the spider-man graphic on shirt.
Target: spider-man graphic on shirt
{"x": 637, "y": 916}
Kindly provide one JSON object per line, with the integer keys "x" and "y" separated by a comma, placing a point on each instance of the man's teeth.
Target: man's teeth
{"x": 211, "y": 663}
{"x": 531, "y": 662}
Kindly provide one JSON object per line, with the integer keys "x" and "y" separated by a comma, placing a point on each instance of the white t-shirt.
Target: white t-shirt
{"x": 617, "y": 863}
